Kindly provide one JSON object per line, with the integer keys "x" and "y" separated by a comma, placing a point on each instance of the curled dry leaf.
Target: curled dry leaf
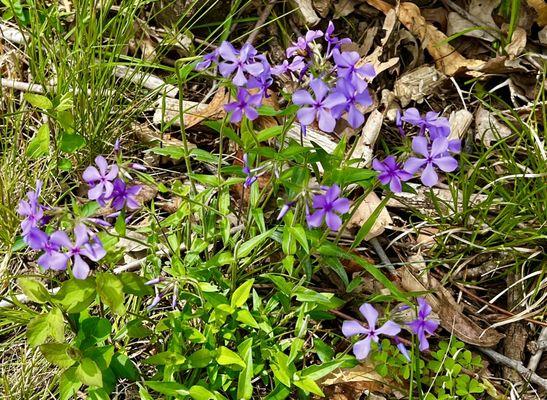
{"x": 414, "y": 278}
{"x": 459, "y": 121}
{"x": 322, "y": 7}
{"x": 518, "y": 43}
{"x": 363, "y": 213}
{"x": 306, "y": 11}
{"x": 350, "y": 384}
{"x": 458, "y": 24}
{"x": 369, "y": 135}
{"x": 541, "y": 8}
{"x": 417, "y": 84}
{"x": 488, "y": 129}
{"x": 343, "y": 8}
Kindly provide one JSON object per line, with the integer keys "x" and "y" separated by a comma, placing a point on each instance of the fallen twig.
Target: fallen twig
{"x": 534, "y": 360}
{"x": 260, "y": 22}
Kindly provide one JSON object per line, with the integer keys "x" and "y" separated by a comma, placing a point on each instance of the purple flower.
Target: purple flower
{"x": 124, "y": 196}
{"x": 392, "y": 173}
{"x": 319, "y": 106}
{"x": 281, "y": 68}
{"x": 438, "y": 156}
{"x": 52, "y": 258}
{"x": 327, "y": 207}
{"x": 245, "y": 104}
{"x": 82, "y": 246}
{"x": 437, "y": 126}
{"x": 302, "y": 45}
{"x": 241, "y": 62}
{"x": 353, "y": 97}
{"x": 333, "y": 42}
{"x": 346, "y": 63}
{"x": 208, "y": 59}
{"x": 261, "y": 82}
{"x": 100, "y": 180}
{"x": 422, "y": 325}
{"x": 32, "y": 210}
{"x": 284, "y": 210}
{"x": 117, "y": 146}
{"x": 250, "y": 179}
{"x": 399, "y": 123}
{"x": 352, "y": 328}
{"x": 401, "y": 347}
{"x": 137, "y": 167}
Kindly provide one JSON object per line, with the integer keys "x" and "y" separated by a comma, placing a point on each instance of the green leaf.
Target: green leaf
{"x": 123, "y": 367}
{"x": 246, "y": 248}
{"x": 34, "y": 290}
{"x": 39, "y": 144}
{"x": 96, "y": 328}
{"x": 89, "y": 373}
{"x": 244, "y": 384}
{"x": 58, "y": 354}
{"x": 69, "y": 384}
{"x": 165, "y": 358}
{"x": 309, "y": 386}
{"x": 47, "y": 325}
{"x": 102, "y": 355}
{"x": 70, "y": 142}
{"x": 134, "y": 284}
{"x": 110, "y": 290}
{"x": 300, "y": 235}
{"x": 200, "y": 393}
{"x": 241, "y": 294}
{"x": 281, "y": 368}
{"x": 269, "y": 133}
{"x": 38, "y": 101}
{"x": 76, "y": 295}
{"x": 168, "y": 388}
{"x": 225, "y": 356}
{"x": 174, "y": 152}
{"x": 311, "y": 296}
{"x": 200, "y": 358}
{"x": 136, "y": 329}
{"x": 245, "y": 317}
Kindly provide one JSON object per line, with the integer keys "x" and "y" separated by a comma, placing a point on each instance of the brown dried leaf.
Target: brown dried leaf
{"x": 213, "y": 109}
{"x": 415, "y": 85}
{"x": 414, "y": 278}
{"x": 541, "y": 8}
{"x": 306, "y": 12}
{"x": 364, "y": 211}
{"x": 518, "y": 43}
{"x": 343, "y": 8}
{"x": 346, "y": 384}
{"x": 487, "y": 127}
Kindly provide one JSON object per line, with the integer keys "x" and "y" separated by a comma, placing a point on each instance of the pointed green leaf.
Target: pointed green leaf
{"x": 241, "y": 294}
{"x": 89, "y": 373}
{"x": 39, "y": 144}
{"x": 38, "y": 101}
{"x": 34, "y": 290}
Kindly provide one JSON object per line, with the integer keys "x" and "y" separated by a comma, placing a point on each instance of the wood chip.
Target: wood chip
{"x": 369, "y": 135}
{"x": 487, "y": 127}
{"x": 364, "y": 211}
{"x": 459, "y": 121}
{"x": 417, "y": 84}
{"x": 306, "y": 11}
{"x": 147, "y": 81}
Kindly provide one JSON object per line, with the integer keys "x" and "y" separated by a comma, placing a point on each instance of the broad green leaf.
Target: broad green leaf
{"x": 39, "y": 144}
{"x": 88, "y": 373}
{"x": 241, "y": 294}
{"x": 47, "y": 325}
{"x": 244, "y": 384}
{"x": 200, "y": 393}
{"x": 165, "y": 358}
{"x": 34, "y": 290}
{"x": 97, "y": 394}
{"x": 168, "y": 388}
{"x": 245, "y": 317}
{"x": 102, "y": 355}
{"x": 137, "y": 330}
{"x": 96, "y": 328}
{"x": 174, "y": 152}
{"x": 110, "y": 290}
{"x": 318, "y": 371}
{"x": 300, "y": 234}
{"x": 70, "y": 142}
{"x": 200, "y": 358}
{"x": 38, "y": 101}
{"x": 123, "y": 367}
{"x": 58, "y": 354}
{"x": 69, "y": 384}
{"x": 309, "y": 386}
{"x": 269, "y": 133}
{"x": 76, "y": 295}
{"x": 281, "y": 368}
{"x": 134, "y": 284}
{"x": 225, "y": 356}
{"x": 328, "y": 300}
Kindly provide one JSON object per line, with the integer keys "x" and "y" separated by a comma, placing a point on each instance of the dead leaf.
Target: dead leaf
{"x": 459, "y": 121}
{"x": 483, "y": 9}
{"x": 322, "y": 7}
{"x": 306, "y": 11}
{"x": 457, "y": 24}
{"x": 213, "y": 109}
{"x": 367, "y": 139}
{"x": 541, "y": 8}
{"x": 343, "y": 8}
{"x": 350, "y": 384}
{"x": 518, "y": 43}
{"x": 415, "y": 278}
{"x": 417, "y": 84}
{"x": 543, "y": 36}
{"x": 363, "y": 213}
{"x": 488, "y": 129}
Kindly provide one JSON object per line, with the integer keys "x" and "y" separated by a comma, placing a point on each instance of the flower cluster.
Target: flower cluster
{"x": 432, "y": 147}
{"x": 421, "y": 326}
{"x": 56, "y": 246}
{"x": 248, "y": 70}
{"x": 327, "y": 207}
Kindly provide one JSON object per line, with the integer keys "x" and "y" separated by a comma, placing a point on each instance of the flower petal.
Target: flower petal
{"x": 420, "y": 146}
{"x": 446, "y": 164}
{"x": 334, "y": 222}
{"x": 81, "y": 235}
{"x": 53, "y": 260}
{"x": 36, "y": 239}
{"x": 370, "y": 314}
{"x": 320, "y": 88}
{"x": 332, "y": 193}
{"x": 390, "y": 328}
{"x": 306, "y": 115}
{"x": 91, "y": 174}
{"x": 439, "y": 146}
{"x": 352, "y": 328}
{"x": 362, "y": 348}
{"x": 102, "y": 164}
{"x": 326, "y": 121}
{"x": 319, "y": 201}
{"x": 60, "y": 238}
{"x": 395, "y": 185}
{"x": 316, "y": 219}
{"x": 429, "y": 176}
{"x": 413, "y": 164}
{"x": 80, "y": 269}
{"x": 341, "y": 206}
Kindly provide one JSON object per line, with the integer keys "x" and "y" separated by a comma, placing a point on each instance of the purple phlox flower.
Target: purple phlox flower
{"x": 401, "y": 347}
{"x": 352, "y": 328}
{"x": 137, "y": 167}
{"x": 437, "y": 126}
{"x": 31, "y": 209}
{"x": 437, "y": 156}
{"x": 155, "y": 300}
{"x": 208, "y": 59}
{"x": 421, "y": 325}
{"x": 250, "y": 179}
{"x": 319, "y": 107}
{"x": 262, "y": 82}
{"x": 333, "y": 42}
{"x": 399, "y": 123}
{"x": 245, "y": 104}
{"x": 117, "y": 146}
{"x": 98, "y": 221}
{"x": 391, "y": 172}
{"x": 327, "y": 207}
{"x": 281, "y": 68}
{"x": 100, "y": 179}
{"x": 353, "y": 97}
{"x": 154, "y": 281}
{"x": 284, "y": 210}
{"x": 175, "y": 298}
{"x": 52, "y": 258}
{"x": 346, "y": 63}
{"x": 302, "y": 44}
{"x": 241, "y": 62}
{"x": 124, "y": 196}
{"x": 455, "y": 146}
{"x": 83, "y": 246}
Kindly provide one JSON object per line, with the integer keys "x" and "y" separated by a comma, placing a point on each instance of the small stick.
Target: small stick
{"x": 381, "y": 253}
{"x": 534, "y": 360}
{"x": 22, "y": 86}
{"x": 517, "y": 366}
{"x": 260, "y": 22}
